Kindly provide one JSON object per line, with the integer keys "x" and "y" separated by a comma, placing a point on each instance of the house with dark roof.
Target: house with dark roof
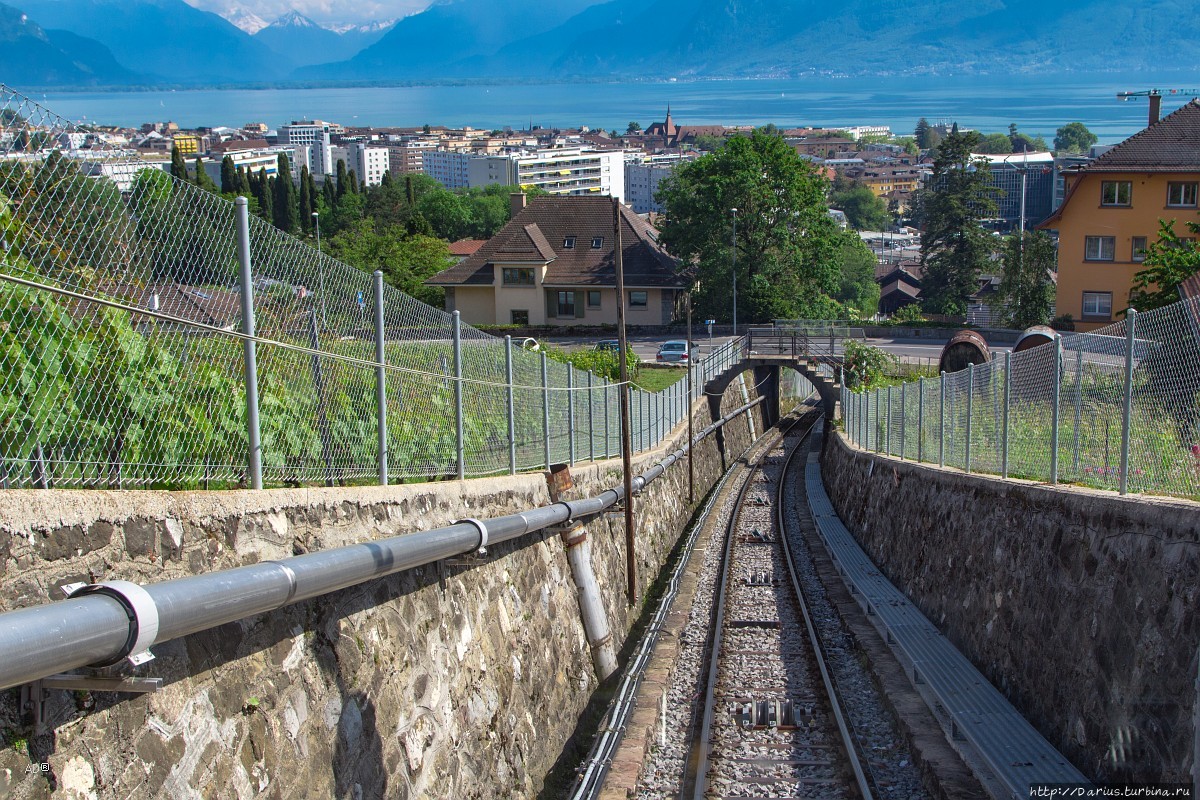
{"x": 553, "y": 264}
{"x": 1111, "y": 212}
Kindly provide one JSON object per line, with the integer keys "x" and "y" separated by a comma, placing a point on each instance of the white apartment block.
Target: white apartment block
{"x": 408, "y": 157}
{"x": 368, "y": 163}
{"x": 252, "y": 161}
{"x": 567, "y": 171}
{"x": 856, "y": 132}
{"x": 303, "y": 133}
{"x": 448, "y": 168}
{"x": 643, "y": 174}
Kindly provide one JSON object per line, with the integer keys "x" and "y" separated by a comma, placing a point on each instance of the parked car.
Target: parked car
{"x": 608, "y": 344}
{"x": 673, "y": 351}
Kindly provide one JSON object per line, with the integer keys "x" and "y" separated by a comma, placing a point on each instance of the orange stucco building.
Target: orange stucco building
{"x": 1112, "y": 209}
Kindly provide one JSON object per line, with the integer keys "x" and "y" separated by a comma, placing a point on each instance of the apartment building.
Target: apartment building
{"x": 368, "y": 162}
{"x": 566, "y": 171}
{"x": 408, "y": 156}
{"x": 643, "y": 174}
{"x": 1024, "y": 184}
{"x": 1112, "y": 210}
{"x": 447, "y": 167}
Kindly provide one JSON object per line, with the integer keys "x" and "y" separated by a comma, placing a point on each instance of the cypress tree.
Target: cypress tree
{"x": 243, "y": 181}
{"x": 229, "y": 176}
{"x": 343, "y": 181}
{"x": 287, "y": 215}
{"x": 409, "y": 195}
{"x": 266, "y": 206}
{"x": 352, "y": 179}
{"x": 178, "y": 165}
{"x": 202, "y": 179}
{"x": 329, "y": 194}
{"x": 386, "y": 181}
{"x": 306, "y": 200}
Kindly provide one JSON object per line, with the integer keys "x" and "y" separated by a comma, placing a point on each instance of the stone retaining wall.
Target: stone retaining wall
{"x": 465, "y": 684}
{"x": 1079, "y": 605}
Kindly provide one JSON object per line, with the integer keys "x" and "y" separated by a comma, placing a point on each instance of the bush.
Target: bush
{"x": 605, "y": 363}
{"x": 866, "y": 366}
{"x": 909, "y": 313}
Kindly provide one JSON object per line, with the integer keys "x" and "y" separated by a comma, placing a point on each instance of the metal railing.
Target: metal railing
{"x": 1117, "y": 408}
{"x": 154, "y": 334}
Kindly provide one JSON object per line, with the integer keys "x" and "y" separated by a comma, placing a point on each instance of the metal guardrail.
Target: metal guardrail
{"x": 1116, "y": 408}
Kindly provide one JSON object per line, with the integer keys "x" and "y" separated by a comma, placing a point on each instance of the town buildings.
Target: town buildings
{"x": 1111, "y": 213}
{"x": 553, "y": 264}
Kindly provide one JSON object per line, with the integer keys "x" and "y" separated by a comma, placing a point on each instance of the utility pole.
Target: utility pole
{"x": 623, "y": 394}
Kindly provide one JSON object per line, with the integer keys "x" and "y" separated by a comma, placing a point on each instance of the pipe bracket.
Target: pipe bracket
{"x": 481, "y": 526}
{"x": 143, "y": 618}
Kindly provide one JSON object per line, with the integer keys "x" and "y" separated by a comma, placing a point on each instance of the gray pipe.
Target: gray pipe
{"x": 101, "y": 628}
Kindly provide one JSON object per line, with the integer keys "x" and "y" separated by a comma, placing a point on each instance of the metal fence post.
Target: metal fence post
{"x": 591, "y": 421}
{"x": 942, "y": 425}
{"x": 546, "y": 409}
{"x": 1127, "y": 409}
{"x": 887, "y": 439}
{"x": 380, "y": 378}
{"x": 570, "y": 414}
{"x": 508, "y": 397}
{"x": 458, "y": 398}
{"x": 249, "y": 353}
{"x": 1078, "y": 407}
{"x": 903, "y": 418}
{"x": 607, "y": 412}
{"x": 1007, "y": 403}
{"x": 1054, "y": 412}
{"x": 970, "y": 413}
{"x": 920, "y": 418}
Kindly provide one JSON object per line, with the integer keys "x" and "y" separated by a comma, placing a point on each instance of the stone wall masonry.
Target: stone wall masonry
{"x": 466, "y": 685}
{"x": 1079, "y": 605}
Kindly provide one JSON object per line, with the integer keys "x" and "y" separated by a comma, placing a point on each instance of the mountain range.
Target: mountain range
{"x": 167, "y": 42}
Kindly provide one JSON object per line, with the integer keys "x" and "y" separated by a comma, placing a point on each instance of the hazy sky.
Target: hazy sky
{"x": 324, "y": 11}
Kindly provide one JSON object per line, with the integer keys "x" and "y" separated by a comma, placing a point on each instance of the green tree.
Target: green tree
{"x": 785, "y": 237}
{"x": 306, "y": 207}
{"x": 266, "y": 199}
{"x": 448, "y": 214}
{"x": 1074, "y": 137}
{"x": 926, "y": 135}
{"x": 633, "y": 127}
{"x": 202, "y": 179}
{"x": 909, "y": 144}
{"x": 343, "y": 179}
{"x": 406, "y": 261}
{"x": 995, "y": 144}
{"x": 857, "y": 289}
{"x": 286, "y": 207}
{"x": 864, "y": 210}
{"x": 352, "y": 182}
{"x": 1026, "y": 291}
{"x": 229, "y": 176}
{"x": 1024, "y": 143}
{"x": 178, "y": 165}
{"x": 954, "y": 248}
{"x": 1169, "y": 262}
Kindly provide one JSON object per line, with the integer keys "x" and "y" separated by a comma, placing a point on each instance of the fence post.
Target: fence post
{"x": 942, "y": 425}
{"x": 1007, "y": 402}
{"x": 249, "y": 354}
{"x": 1054, "y": 412}
{"x": 887, "y": 439}
{"x": 903, "y": 418}
{"x": 508, "y": 397}
{"x": 380, "y": 378}
{"x": 458, "y": 397}
{"x": 591, "y": 421}
{"x": 920, "y": 418}
{"x": 314, "y": 341}
{"x": 570, "y": 414}
{"x": 546, "y": 409}
{"x": 607, "y": 411}
{"x": 1127, "y": 409}
{"x": 970, "y": 410}
{"x": 1078, "y": 407}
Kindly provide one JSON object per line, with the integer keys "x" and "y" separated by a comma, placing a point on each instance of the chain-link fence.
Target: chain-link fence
{"x": 126, "y": 360}
{"x": 1118, "y": 408}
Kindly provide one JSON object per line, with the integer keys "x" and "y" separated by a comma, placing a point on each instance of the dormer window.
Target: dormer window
{"x": 569, "y": 243}
{"x": 597, "y": 242}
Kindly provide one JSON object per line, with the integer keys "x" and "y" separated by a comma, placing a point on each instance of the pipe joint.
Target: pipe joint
{"x": 573, "y": 534}
{"x": 481, "y": 526}
{"x": 142, "y": 612}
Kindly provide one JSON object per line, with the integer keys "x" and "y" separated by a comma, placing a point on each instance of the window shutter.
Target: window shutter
{"x": 551, "y": 304}
{"x": 580, "y": 304}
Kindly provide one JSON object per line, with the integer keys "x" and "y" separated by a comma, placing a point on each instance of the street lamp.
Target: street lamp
{"x": 734, "y": 212}
{"x": 320, "y": 268}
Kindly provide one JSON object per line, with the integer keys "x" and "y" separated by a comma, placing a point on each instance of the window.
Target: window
{"x": 598, "y": 241}
{"x": 639, "y": 298}
{"x": 519, "y": 316}
{"x": 1138, "y": 249}
{"x": 593, "y": 298}
{"x": 566, "y": 304}
{"x": 1116, "y": 193}
{"x": 516, "y": 276}
{"x": 1181, "y": 195}
{"x": 569, "y": 243}
{"x": 1097, "y": 305}
{"x": 1099, "y": 248}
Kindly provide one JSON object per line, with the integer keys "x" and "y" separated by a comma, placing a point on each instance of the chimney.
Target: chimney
{"x": 516, "y": 202}
{"x": 1155, "y": 107}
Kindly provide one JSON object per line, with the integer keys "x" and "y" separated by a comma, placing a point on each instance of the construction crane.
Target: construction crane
{"x": 1156, "y": 96}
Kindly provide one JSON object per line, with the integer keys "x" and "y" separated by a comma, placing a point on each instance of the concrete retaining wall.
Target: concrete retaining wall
{"x": 1079, "y": 605}
{"x": 462, "y": 685}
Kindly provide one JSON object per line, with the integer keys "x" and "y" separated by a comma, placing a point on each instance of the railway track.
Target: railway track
{"x": 770, "y": 723}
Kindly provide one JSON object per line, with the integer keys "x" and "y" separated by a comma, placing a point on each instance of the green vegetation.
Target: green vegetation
{"x": 1026, "y": 292}
{"x": 786, "y": 244}
{"x": 1170, "y": 260}
{"x": 605, "y": 363}
{"x": 1074, "y": 137}
{"x": 955, "y": 248}
{"x": 865, "y": 366}
{"x": 864, "y": 210}
{"x": 655, "y": 380}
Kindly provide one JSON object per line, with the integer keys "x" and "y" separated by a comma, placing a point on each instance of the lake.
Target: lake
{"x": 1038, "y": 104}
